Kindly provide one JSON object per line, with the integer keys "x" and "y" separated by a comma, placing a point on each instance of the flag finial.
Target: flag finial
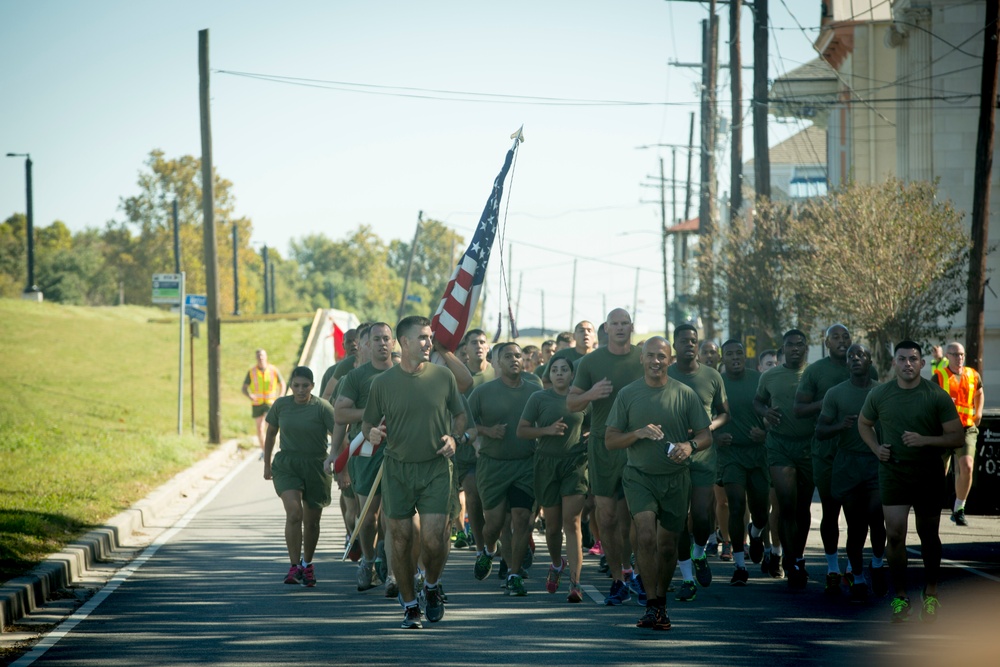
{"x": 519, "y": 135}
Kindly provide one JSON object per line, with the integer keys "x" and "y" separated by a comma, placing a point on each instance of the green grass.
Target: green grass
{"x": 88, "y": 413}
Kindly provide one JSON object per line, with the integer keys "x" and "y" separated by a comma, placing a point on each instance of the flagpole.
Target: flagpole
{"x": 364, "y": 510}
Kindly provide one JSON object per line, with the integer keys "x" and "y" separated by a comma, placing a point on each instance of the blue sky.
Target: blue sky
{"x": 89, "y": 88}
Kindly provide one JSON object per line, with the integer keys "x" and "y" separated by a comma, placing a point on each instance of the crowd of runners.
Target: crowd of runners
{"x": 652, "y": 456}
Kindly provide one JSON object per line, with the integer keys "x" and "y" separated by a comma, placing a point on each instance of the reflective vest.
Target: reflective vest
{"x": 264, "y": 385}
{"x": 962, "y": 389}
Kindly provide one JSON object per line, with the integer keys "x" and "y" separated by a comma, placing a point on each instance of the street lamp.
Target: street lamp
{"x": 236, "y": 271}
{"x": 31, "y": 290}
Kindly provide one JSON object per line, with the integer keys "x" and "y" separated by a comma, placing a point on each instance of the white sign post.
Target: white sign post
{"x": 169, "y": 288}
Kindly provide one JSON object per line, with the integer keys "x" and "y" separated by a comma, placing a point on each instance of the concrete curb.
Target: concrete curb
{"x": 23, "y": 595}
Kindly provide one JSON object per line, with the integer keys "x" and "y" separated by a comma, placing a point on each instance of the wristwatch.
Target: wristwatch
{"x": 694, "y": 446}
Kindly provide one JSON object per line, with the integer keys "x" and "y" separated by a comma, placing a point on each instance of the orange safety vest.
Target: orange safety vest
{"x": 264, "y": 385}
{"x": 962, "y": 390}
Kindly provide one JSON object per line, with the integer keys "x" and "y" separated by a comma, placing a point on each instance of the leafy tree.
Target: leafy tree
{"x": 437, "y": 250}
{"x": 13, "y": 258}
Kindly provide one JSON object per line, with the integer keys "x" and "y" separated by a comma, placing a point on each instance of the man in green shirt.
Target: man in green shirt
{"x": 599, "y": 377}
{"x": 660, "y": 423}
{"x": 349, "y": 410}
{"x": 336, "y": 373}
{"x": 855, "y": 472}
{"x": 918, "y": 421}
{"x": 585, "y": 340}
{"x": 477, "y": 347}
{"x": 817, "y": 379}
{"x": 505, "y": 472}
{"x": 707, "y": 384}
{"x": 742, "y": 460}
{"x": 351, "y": 344}
{"x": 422, "y": 408}
{"x": 789, "y": 447}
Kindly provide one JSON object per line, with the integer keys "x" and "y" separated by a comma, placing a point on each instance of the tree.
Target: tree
{"x": 437, "y": 251}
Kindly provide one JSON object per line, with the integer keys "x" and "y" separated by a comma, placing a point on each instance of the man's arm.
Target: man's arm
{"x": 805, "y": 406}
{"x": 721, "y": 417}
{"x": 272, "y": 434}
{"x": 977, "y": 403}
{"x": 866, "y": 428}
{"x": 344, "y": 411}
{"x": 827, "y": 428}
{"x": 246, "y": 388}
{"x": 952, "y": 437}
{"x": 463, "y": 377}
{"x": 577, "y": 400}
{"x": 330, "y": 388}
{"x": 614, "y": 438}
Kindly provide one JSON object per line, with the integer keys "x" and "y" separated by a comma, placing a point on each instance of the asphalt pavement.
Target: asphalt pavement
{"x": 209, "y": 591}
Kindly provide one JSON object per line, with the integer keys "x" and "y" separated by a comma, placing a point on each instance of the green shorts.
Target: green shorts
{"x": 704, "y": 467}
{"x": 260, "y": 410}
{"x": 968, "y": 448}
{"x": 454, "y": 506}
{"x": 605, "y": 469}
{"x": 290, "y": 472}
{"x": 363, "y": 470}
{"x": 465, "y": 460}
{"x": 919, "y": 484}
{"x": 500, "y": 480}
{"x": 822, "y": 467}
{"x": 558, "y": 477}
{"x": 664, "y": 495}
{"x": 853, "y": 472}
{"x": 423, "y": 487}
{"x": 785, "y": 452}
{"x": 745, "y": 465}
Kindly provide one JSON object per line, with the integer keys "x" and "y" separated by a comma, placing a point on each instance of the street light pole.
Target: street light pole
{"x": 30, "y": 288}
{"x": 236, "y": 272}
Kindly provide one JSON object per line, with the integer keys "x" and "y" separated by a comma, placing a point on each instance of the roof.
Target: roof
{"x": 803, "y": 148}
{"x": 686, "y": 226}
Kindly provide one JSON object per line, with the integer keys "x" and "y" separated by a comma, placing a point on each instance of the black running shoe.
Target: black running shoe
{"x": 756, "y": 544}
{"x": 411, "y": 618}
{"x": 435, "y": 604}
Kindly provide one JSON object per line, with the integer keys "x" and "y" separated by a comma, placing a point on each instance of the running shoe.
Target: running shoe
{"x": 602, "y": 566}
{"x": 461, "y": 540}
{"x": 294, "y": 575}
{"x": 798, "y": 577}
{"x": 552, "y": 579}
{"x": 832, "y": 586}
{"x": 687, "y": 592}
{"x": 740, "y": 577}
{"x": 859, "y": 593}
{"x": 774, "y": 567}
{"x": 366, "y": 576}
{"x": 900, "y": 609}
{"x": 929, "y": 606}
{"x": 391, "y": 589}
{"x": 712, "y": 548}
{"x": 958, "y": 518}
{"x": 662, "y": 620}
{"x": 619, "y": 594}
{"x": 381, "y": 563}
{"x": 702, "y": 572}
{"x": 596, "y": 550}
{"x": 484, "y": 565}
{"x": 504, "y": 570}
{"x": 648, "y": 619}
{"x": 727, "y": 552}
{"x": 634, "y": 583}
{"x": 756, "y": 544}
{"x": 880, "y": 580}
{"x": 308, "y": 576}
{"x": 575, "y": 594}
{"x": 434, "y": 604}
{"x": 411, "y": 618}
{"x": 355, "y": 553}
{"x": 515, "y": 586}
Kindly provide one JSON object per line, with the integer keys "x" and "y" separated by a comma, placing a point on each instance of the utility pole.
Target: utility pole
{"x": 761, "y": 157}
{"x": 409, "y": 265}
{"x": 236, "y": 270}
{"x": 267, "y": 297}
{"x": 572, "y": 299}
{"x": 274, "y": 307}
{"x": 663, "y": 248}
{"x": 687, "y": 192}
{"x": 706, "y": 208}
{"x": 974, "y": 311}
{"x": 736, "y": 155}
{"x": 177, "y": 236}
{"x": 673, "y": 186}
{"x": 211, "y": 257}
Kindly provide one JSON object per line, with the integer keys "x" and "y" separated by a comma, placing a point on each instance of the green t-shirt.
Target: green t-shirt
{"x": 345, "y": 366}
{"x": 922, "y": 410}
{"x": 418, "y": 409}
{"x": 825, "y": 374}
{"x": 547, "y": 407}
{"x": 620, "y": 369}
{"x": 777, "y": 389}
{"x": 569, "y": 353}
{"x": 481, "y": 377}
{"x": 495, "y": 403}
{"x": 356, "y": 386}
{"x": 326, "y": 378}
{"x": 706, "y": 382}
{"x": 674, "y": 407}
{"x": 742, "y": 417}
{"x": 841, "y": 401}
{"x": 304, "y": 429}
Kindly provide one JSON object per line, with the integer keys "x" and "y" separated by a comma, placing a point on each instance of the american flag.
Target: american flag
{"x": 451, "y": 319}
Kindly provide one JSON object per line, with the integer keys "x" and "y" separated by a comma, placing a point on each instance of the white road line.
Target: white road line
{"x": 945, "y": 561}
{"x": 64, "y": 628}
{"x": 593, "y": 593}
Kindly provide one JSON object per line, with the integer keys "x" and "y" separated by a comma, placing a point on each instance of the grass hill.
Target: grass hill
{"x": 88, "y": 413}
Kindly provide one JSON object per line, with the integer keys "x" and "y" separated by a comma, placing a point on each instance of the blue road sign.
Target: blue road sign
{"x": 195, "y": 300}
{"x": 195, "y": 313}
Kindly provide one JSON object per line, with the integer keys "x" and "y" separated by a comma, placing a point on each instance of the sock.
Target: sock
{"x": 849, "y": 570}
{"x": 557, "y": 569}
{"x": 626, "y": 574}
{"x": 959, "y": 504}
{"x": 740, "y": 559}
{"x": 755, "y": 531}
{"x": 776, "y": 550}
{"x": 687, "y": 569}
{"x": 876, "y": 563}
{"x": 832, "y": 565}
{"x": 430, "y": 587}
{"x": 511, "y": 576}
{"x": 303, "y": 563}
{"x": 411, "y": 603}
{"x": 698, "y": 551}
{"x": 478, "y": 554}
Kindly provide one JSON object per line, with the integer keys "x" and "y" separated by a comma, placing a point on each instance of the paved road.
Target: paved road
{"x": 212, "y": 594}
